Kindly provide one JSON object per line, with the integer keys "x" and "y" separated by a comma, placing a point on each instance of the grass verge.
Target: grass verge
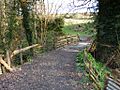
{"x": 97, "y": 69}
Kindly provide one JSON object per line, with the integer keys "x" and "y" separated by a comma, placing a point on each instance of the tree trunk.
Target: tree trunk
{"x": 108, "y": 36}
{"x": 26, "y": 23}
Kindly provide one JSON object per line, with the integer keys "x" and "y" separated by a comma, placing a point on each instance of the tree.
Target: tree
{"x": 108, "y": 33}
{"x": 26, "y": 22}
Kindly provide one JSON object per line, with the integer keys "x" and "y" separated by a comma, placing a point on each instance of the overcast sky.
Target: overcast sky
{"x": 68, "y": 5}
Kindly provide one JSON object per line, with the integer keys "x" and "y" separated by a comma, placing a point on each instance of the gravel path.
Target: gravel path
{"x": 51, "y": 71}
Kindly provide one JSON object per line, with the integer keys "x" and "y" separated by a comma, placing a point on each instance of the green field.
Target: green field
{"x": 78, "y": 27}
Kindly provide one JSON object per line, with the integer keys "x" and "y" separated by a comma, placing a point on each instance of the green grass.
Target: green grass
{"x": 85, "y": 29}
{"x": 98, "y": 66}
{"x": 68, "y": 30}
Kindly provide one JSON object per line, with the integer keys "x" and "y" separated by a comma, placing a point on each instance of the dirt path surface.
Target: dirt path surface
{"x": 51, "y": 71}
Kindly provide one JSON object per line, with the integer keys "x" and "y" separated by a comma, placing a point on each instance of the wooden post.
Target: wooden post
{"x": 8, "y": 58}
{"x": 71, "y": 39}
{"x": 78, "y": 37}
{"x": 22, "y": 50}
{"x": 3, "y": 68}
{"x": 0, "y": 69}
{"x": 5, "y": 65}
{"x": 21, "y": 58}
{"x": 54, "y": 42}
{"x": 66, "y": 41}
{"x": 21, "y": 55}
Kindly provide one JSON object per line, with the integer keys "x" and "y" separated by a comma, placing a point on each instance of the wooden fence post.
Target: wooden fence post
{"x": 5, "y": 65}
{"x": 54, "y": 42}
{"x": 0, "y": 69}
{"x": 78, "y": 38}
{"x": 71, "y": 42}
{"x": 67, "y": 40}
{"x": 21, "y": 58}
{"x": 21, "y": 55}
{"x": 8, "y": 58}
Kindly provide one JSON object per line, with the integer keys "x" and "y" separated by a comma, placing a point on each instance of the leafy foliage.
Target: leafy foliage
{"x": 21, "y": 26}
{"x": 108, "y": 33}
{"x": 89, "y": 28}
{"x": 98, "y": 66}
{"x": 56, "y": 25}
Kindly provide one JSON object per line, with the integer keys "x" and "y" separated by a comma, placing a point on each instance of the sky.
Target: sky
{"x": 65, "y": 6}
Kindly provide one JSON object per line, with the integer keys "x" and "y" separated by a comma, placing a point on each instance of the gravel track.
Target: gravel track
{"x": 51, "y": 71}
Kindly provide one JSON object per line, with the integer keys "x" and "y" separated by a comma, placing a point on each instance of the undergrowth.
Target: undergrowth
{"x": 98, "y": 66}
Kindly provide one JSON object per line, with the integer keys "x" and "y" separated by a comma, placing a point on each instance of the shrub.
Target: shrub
{"x": 56, "y": 25}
